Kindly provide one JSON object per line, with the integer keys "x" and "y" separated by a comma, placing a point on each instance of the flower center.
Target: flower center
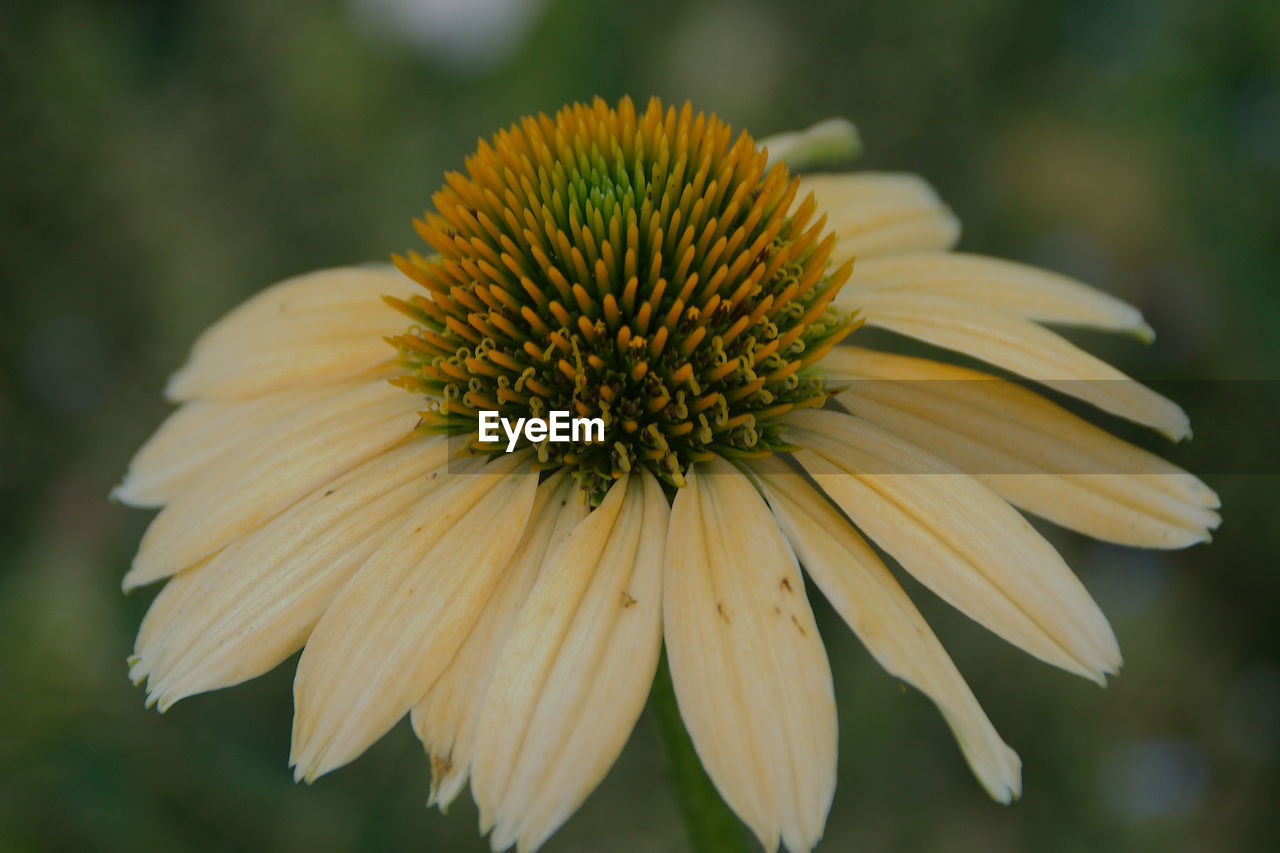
{"x": 648, "y": 269}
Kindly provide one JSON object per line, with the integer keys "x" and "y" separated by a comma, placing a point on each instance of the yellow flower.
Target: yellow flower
{"x": 651, "y": 269}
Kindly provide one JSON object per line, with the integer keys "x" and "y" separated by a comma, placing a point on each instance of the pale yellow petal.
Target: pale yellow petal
{"x": 1030, "y": 451}
{"x": 864, "y": 592}
{"x": 958, "y": 538}
{"x": 587, "y": 644}
{"x": 286, "y": 460}
{"x": 1022, "y": 347}
{"x": 516, "y": 687}
{"x": 445, "y": 719}
{"x": 750, "y": 672}
{"x": 204, "y": 431}
{"x": 397, "y": 623}
{"x": 881, "y": 214}
{"x": 255, "y": 602}
{"x": 313, "y": 329}
{"x": 1015, "y": 288}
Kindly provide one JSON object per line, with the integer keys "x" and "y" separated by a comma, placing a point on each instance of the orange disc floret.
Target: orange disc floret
{"x": 649, "y": 269}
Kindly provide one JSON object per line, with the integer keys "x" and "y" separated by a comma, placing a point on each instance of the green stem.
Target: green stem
{"x": 711, "y": 826}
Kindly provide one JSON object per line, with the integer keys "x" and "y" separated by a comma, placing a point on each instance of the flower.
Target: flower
{"x": 652, "y": 269}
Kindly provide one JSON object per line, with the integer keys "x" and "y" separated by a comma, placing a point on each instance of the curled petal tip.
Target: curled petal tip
{"x": 173, "y": 386}
{"x": 832, "y": 140}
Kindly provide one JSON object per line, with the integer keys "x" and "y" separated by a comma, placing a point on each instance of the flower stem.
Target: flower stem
{"x": 711, "y": 826}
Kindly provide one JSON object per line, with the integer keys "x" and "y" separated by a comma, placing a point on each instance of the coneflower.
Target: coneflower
{"x": 324, "y": 491}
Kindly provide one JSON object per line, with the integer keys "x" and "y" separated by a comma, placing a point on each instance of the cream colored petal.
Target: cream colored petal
{"x": 587, "y": 643}
{"x": 958, "y": 538}
{"x": 203, "y": 431}
{"x": 1022, "y": 347}
{"x": 256, "y": 602}
{"x": 1013, "y": 403}
{"x": 516, "y": 687}
{"x": 750, "y": 672}
{"x": 285, "y": 461}
{"x": 313, "y": 329}
{"x": 1031, "y": 452}
{"x": 881, "y": 214}
{"x": 445, "y": 719}
{"x": 397, "y": 623}
{"x": 864, "y": 592}
{"x": 1016, "y": 288}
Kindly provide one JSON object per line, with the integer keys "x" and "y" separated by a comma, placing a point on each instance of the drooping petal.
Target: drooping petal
{"x": 255, "y": 602}
{"x": 1016, "y": 288}
{"x": 959, "y": 539}
{"x": 881, "y": 214}
{"x": 574, "y": 674}
{"x": 445, "y": 719}
{"x": 288, "y": 459}
{"x": 750, "y": 672}
{"x": 313, "y": 329}
{"x": 864, "y": 592}
{"x": 1021, "y": 346}
{"x": 1030, "y": 451}
{"x": 397, "y": 623}
{"x": 203, "y": 431}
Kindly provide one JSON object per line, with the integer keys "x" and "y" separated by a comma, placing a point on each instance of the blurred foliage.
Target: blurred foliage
{"x": 163, "y": 160}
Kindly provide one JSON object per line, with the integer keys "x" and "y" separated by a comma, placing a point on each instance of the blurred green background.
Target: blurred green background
{"x": 161, "y": 161}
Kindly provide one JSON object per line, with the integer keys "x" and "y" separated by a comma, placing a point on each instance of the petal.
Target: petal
{"x": 1022, "y": 347}
{"x": 256, "y": 601}
{"x": 864, "y": 592}
{"x": 1030, "y": 451}
{"x": 445, "y": 719}
{"x": 397, "y": 623}
{"x": 1016, "y": 288}
{"x": 574, "y": 674}
{"x": 959, "y": 539}
{"x": 881, "y": 214}
{"x": 828, "y": 141}
{"x": 202, "y": 432}
{"x": 750, "y": 672}
{"x": 285, "y": 461}
{"x": 313, "y": 329}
